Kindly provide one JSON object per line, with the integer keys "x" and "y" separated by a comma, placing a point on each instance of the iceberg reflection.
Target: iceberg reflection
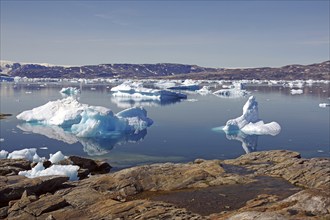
{"x": 92, "y": 146}
{"x": 249, "y": 142}
{"x": 129, "y": 102}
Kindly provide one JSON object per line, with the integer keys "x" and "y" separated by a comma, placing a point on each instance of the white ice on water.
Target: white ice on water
{"x": 137, "y": 91}
{"x": 87, "y": 121}
{"x": 188, "y": 84}
{"x": 236, "y": 90}
{"x": 296, "y": 91}
{"x": 70, "y": 91}
{"x": 324, "y": 105}
{"x": 27, "y": 153}
{"x": 249, "y": 121}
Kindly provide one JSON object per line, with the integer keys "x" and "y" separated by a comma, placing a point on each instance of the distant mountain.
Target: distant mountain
{"x": 164, "y": 70}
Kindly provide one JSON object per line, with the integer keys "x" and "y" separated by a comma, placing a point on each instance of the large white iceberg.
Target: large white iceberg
{"x": 87, "y": 121}
{"x": 249, "y": 121}
{"x": 136, "y": 91}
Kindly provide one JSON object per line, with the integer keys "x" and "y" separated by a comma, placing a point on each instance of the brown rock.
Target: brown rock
{"x": 45, "y": 204}
{"x": 13, "y": 166}
{"x": 12, "y": 187}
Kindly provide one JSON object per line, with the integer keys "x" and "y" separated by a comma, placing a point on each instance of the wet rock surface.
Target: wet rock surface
{"x": 260, "y": 185}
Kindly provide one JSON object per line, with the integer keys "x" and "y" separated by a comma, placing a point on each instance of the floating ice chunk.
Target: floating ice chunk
{"x": 141, "y": 93}
{"x": 296, "y": 91}
{"x": 204, "y": 91}
{"x": 188, "y": 84}
{"x": 324, "y": 105}
{"x": 87, "y": 121}
{"x": 70, "y": 91}
{"x": 234, "y": 91}
{"x": 3, "y": 154}
{"x": 250, "y": 123}
{"x": 70, "y": 171}
{"x": 164, "y": 84}
{"x": 28, "y": 154}
{"x": 57, "y": 157}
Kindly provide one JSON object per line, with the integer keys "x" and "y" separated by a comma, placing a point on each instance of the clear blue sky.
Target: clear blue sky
{"x": 206, "y": 33}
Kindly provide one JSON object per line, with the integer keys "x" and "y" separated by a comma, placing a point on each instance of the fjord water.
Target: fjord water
{"x": 182, "y": 131}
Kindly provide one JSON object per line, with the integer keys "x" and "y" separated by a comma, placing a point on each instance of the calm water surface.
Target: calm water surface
{"x": 181, "y": 132}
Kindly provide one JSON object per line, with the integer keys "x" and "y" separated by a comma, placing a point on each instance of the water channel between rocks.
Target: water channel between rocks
{"x": 205, "y": 201}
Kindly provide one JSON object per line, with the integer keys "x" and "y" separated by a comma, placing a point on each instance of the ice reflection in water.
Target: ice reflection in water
{"x": 92, "y": 146}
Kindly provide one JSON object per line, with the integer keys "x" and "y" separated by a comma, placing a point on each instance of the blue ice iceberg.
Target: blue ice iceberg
{"x": 87, "y": 121}
{"x": 249, "y": 121}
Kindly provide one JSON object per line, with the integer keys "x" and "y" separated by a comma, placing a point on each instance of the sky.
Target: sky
{"x": 205, "y": 33}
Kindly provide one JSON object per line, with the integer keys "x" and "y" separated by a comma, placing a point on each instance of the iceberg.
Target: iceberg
{"x": 87, "y": 121}
{"x": 188, "y": 84}
{"x": 233, "y": 91}
{"x": 324, "y": 105}
{"x": 70, "y": 91}
{"x": 136, "y": 91}
{"x": 204, "y": 91}
{"x": 296, "y": 91}
{"x": 250, "y": 123}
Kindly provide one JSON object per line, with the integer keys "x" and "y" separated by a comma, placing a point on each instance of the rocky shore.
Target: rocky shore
{"x": 259, "y": 185}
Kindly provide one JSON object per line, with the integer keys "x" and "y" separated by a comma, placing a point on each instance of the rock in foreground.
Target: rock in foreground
{"x": 126, "y": 194}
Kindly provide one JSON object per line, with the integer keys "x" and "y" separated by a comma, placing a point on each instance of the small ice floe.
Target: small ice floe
{"x": 164, "y": 84}
{"x": 320, "y": 151}
{"x": 192, "y": 100}
{"x": 43, "y": 148}
{"x": 249, "y": 121}
{"x": 188, "y": 84}
{"x": 27, "y": 153}
{"x": 234, "y": 91}
{"x": 70, "y": 91}
{"x": 2, "y": 139}
{"x": 93, "y": 88}
{"x": 324, "y": 105}
{"x": 28, "y": 92}
{"x": 204, "y": 91}
{"x": 296, "y": 91}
